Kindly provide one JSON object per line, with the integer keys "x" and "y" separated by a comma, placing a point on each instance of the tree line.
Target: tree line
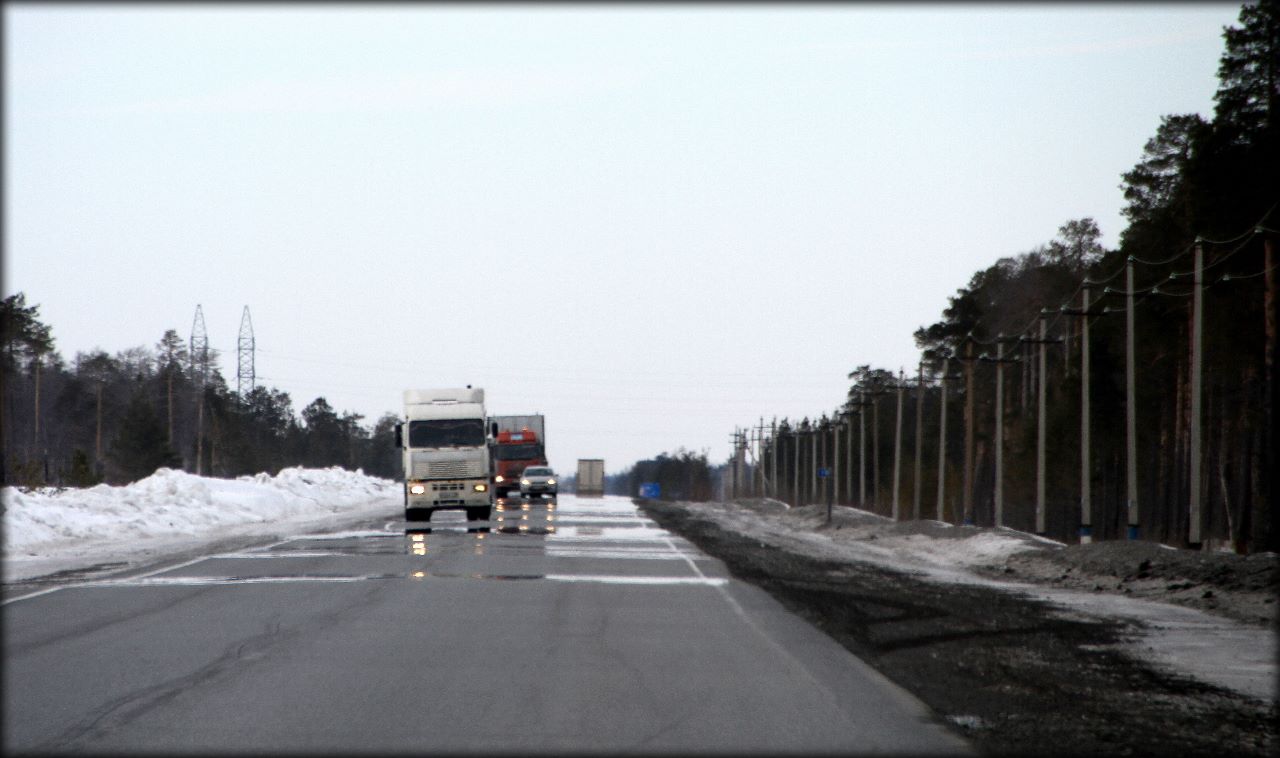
{"x": 117, "y": 418}
{"x": 1196, "y": 268}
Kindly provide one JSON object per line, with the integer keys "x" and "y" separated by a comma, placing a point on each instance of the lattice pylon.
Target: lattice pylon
{"x": 244, "y": 375}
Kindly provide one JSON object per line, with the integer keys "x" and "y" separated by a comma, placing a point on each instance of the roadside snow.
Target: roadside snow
{"x": 59, "y": 529}
{"x": 1187, "y": 641}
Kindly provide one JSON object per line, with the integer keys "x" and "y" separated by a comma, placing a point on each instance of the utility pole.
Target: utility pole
{"x": 968, "y": 431}
{"x": 1040, "y": 430}
{"x": 1197, "y": 358}
{"x": 942, "y": 439}
{"x": 834, "y": 484}
{"x": 795, "y": 471}
{"x": 1086, "y": 468}
{"x": 915, "y": 494}
{"x": 897, "y": 450}
{"x": 1130, "y": 410}
{"x": 813, "y": 464}
{"x": 773, "y": 450}
{"x": 1000, "y": 360}
{"x": 848, "y": 479}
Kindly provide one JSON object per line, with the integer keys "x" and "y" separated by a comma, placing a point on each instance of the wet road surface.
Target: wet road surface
{"x": 576, "y": 625}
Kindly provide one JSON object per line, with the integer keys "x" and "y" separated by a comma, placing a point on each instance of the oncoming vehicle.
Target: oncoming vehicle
{"x": 538, "y": 480}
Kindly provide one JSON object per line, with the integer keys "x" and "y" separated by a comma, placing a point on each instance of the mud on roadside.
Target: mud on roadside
{"x": 1005, "y": 671}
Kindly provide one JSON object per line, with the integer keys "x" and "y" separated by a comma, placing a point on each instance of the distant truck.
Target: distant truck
{"x": 590, "y": 477}
{"x": 519, "y": 442}
{"x": 445, "y": 445}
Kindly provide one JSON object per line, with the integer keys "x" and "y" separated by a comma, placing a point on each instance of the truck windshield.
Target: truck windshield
{"x": 517, "y": 452}
{"x": 452, "y": 432}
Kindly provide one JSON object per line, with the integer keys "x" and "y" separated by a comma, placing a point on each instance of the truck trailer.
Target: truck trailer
{"x": 444, "y": 441}
{"x": 590, "y": 477}
{"x": 519, "y": 442}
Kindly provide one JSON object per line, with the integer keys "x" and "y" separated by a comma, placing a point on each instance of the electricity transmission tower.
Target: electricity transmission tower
{"x": 244, "y": 375}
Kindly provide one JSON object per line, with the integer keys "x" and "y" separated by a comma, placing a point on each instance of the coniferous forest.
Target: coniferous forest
{"x": 117, "y": 418}
{"x": 1195, "y": 267}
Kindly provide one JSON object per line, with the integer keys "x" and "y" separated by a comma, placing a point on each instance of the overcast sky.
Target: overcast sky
{"x": 650, "y": 223}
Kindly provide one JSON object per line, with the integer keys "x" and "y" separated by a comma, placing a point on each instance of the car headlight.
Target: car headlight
{"x": 499, "y": 478}
{"x": 525, "y": 481}
{"x": 481, "y": 487}
{"x": 551, "y": 481}
{"x": 417, "y": 489}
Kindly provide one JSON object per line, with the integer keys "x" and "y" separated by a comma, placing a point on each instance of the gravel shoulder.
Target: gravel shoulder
{"x": 1013, "y": 673}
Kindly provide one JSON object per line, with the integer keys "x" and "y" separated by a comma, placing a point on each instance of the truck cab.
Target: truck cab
{"x": 513, "y": 452}
{"x": 444, "y": 441}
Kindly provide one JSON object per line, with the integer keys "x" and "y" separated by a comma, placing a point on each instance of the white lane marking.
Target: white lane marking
{"x": 92, "y": 582}
{"x": 664, "y": 580}
{"x": 195, "y": 581}
{"x": 617, "y": 553}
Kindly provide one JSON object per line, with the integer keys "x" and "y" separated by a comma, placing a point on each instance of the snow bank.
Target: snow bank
{"x": 53, "y": 523}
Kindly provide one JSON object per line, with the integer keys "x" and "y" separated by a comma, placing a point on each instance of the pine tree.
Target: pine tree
{"x": 141, "y": 444}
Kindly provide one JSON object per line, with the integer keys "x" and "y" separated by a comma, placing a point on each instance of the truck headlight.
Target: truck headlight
{"x": 481, "y": 487}
{"x": 499, "y": 478}
{"x": 417, "y": 489}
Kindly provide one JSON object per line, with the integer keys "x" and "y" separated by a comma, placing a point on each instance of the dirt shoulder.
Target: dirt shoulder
{"x": 1009, "y": 672}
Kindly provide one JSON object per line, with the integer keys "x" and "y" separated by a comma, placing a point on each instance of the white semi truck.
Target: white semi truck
{"x": 445, "y": 447}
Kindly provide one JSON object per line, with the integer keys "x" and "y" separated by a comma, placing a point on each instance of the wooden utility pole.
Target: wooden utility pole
{"x": 834, "y": 484}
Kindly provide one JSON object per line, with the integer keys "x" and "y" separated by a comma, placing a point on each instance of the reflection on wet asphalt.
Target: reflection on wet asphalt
{"x": 568, "y": 539}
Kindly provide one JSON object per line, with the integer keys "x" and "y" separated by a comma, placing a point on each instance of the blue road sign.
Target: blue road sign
{"x": 650, "y": 490}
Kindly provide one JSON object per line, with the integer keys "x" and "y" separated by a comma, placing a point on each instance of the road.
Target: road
{"x": 569, "y": 626}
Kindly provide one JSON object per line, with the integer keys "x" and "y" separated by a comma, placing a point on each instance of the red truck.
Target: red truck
{"x": 514, "y": 449}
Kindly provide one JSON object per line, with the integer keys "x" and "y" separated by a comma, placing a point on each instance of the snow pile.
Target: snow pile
{"x": 107, "y": 522}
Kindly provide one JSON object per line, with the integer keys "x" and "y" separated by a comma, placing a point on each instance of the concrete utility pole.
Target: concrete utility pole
{"x": 968, "y": 432}
{"x": 915, "y": 493}
{"x": 773, "y": 450}
{"x": 1086, "y": 470}
{"x": 1197, "y": 358}
{"x": 942, "y": 439}
{"x": 1000, "y": 360}
{"x": 813, "y": 466}
{"x": 897, "y": 451}
{"x": 834, "y": 484}
{"x": 1040, "y": 431}
{"x": 795, "y": 472}
{"x": 848, "y": 479}
{"x": 1130, "y": 410}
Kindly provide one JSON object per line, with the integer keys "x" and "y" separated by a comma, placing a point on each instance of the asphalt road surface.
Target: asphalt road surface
{"x": 555, "y": 627}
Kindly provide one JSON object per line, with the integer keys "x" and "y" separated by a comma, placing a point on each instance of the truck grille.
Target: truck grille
{"x": 454, "y": 469}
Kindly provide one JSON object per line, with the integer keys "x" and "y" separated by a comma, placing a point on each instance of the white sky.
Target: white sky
{"x": 650, "y": 223}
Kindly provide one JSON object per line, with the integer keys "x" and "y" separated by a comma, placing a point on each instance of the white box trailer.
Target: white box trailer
{"x": 591, "y": 477}
{"x": 445, "y": 447}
